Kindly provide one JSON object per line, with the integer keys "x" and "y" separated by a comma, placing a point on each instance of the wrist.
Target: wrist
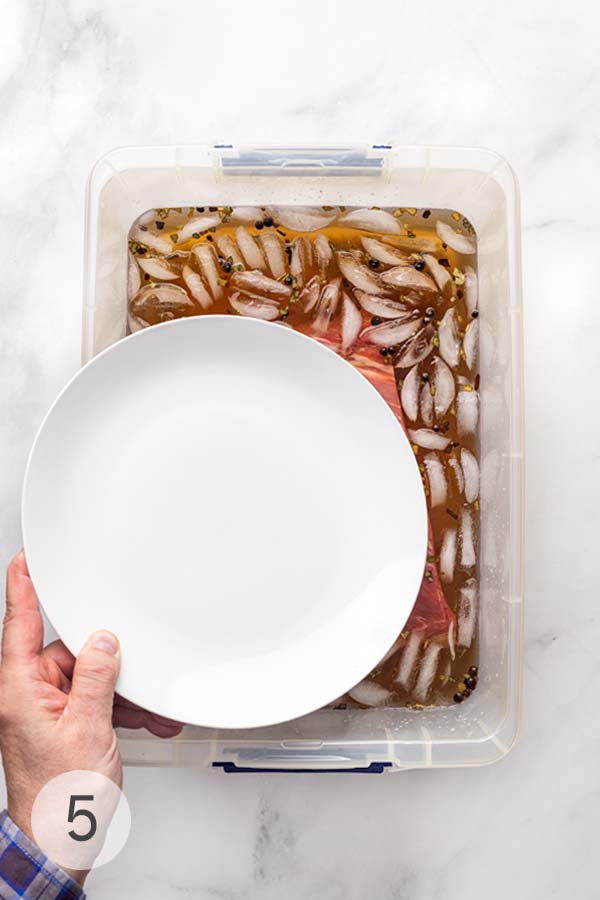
{"x": 78, "y": 875}
{"x": 27, "y": 872}
{"x": 21, "y": 816}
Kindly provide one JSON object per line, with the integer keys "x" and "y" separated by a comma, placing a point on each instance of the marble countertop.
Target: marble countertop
{"x": 522, "y": 78}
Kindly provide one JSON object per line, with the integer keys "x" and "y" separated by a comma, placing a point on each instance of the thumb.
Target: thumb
{"x": 94, "y": 677}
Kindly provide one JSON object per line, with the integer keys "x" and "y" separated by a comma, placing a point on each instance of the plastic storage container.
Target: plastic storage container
{"x": 480, "y": 184}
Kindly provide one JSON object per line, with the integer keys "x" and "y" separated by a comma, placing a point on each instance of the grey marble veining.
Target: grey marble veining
{"x": 77, "y": 78}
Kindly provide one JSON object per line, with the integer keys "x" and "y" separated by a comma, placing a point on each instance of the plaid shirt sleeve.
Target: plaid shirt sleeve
{"x": 26, "y": 873}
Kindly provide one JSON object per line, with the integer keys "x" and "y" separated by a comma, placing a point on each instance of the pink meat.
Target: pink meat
{"x": 431, "y": 614}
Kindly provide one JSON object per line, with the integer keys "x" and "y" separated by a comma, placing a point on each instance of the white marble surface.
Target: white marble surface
{"x": 77, "y": 78}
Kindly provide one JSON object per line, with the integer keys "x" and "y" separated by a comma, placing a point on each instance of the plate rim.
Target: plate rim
{"x": 246, "y": 322}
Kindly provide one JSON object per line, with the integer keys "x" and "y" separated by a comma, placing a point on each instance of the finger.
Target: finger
{"x": 127, "y": 718}
{"x": 121, "y": 702}
{"x": 23, "y": 630}
{"x": 123, "y": 717}
{"x": 163, "y": 731}
{"x": 94, "y": 677}
{"x": 64, "y": 659}
{"x": 58, "y": 663}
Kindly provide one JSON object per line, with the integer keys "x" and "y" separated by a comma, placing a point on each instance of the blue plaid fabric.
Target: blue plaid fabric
{"x": 25, "y": 872}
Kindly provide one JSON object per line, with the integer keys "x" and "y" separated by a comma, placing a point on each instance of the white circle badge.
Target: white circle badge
{"x": 81, "y": 820}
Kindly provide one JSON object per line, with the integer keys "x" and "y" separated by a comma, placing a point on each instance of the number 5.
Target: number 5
{"x": 73, "y": 813}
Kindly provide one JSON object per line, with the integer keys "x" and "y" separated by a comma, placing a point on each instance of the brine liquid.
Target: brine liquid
{"x": 329, "y": 272}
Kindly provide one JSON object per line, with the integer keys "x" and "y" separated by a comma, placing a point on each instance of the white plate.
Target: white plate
{"x": 240, "y": 506}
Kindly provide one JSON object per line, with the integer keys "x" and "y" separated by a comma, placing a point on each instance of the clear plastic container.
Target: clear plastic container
{"x": 481, "y": 185}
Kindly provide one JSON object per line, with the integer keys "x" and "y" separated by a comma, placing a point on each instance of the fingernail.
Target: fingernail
{"x": 105, "y": 641}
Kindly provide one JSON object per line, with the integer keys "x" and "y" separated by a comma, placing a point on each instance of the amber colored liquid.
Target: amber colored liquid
{"x": 451, "y": 672}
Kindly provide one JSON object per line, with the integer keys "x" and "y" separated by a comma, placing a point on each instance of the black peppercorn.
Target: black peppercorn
{"x": 419, "y": 264}
{"x": 384, "y": 351}
{"x": 459, "y": 697}
{"x": 424, "y": 377}
{"x": 473, "y": 671}
{"x": 374, "y": 263}
{"x": 475, "y": 313}
{"x": 268, "y": 221}
{"x": 471, "y": 682}
{"x": 376, "y": 320}
{"x": 258, "y": 225}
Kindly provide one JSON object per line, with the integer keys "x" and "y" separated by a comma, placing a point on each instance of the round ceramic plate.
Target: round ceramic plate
{"x": 239, "y": 506}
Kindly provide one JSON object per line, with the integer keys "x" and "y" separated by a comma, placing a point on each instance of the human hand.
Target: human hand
{"x": 58, "y": 713}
